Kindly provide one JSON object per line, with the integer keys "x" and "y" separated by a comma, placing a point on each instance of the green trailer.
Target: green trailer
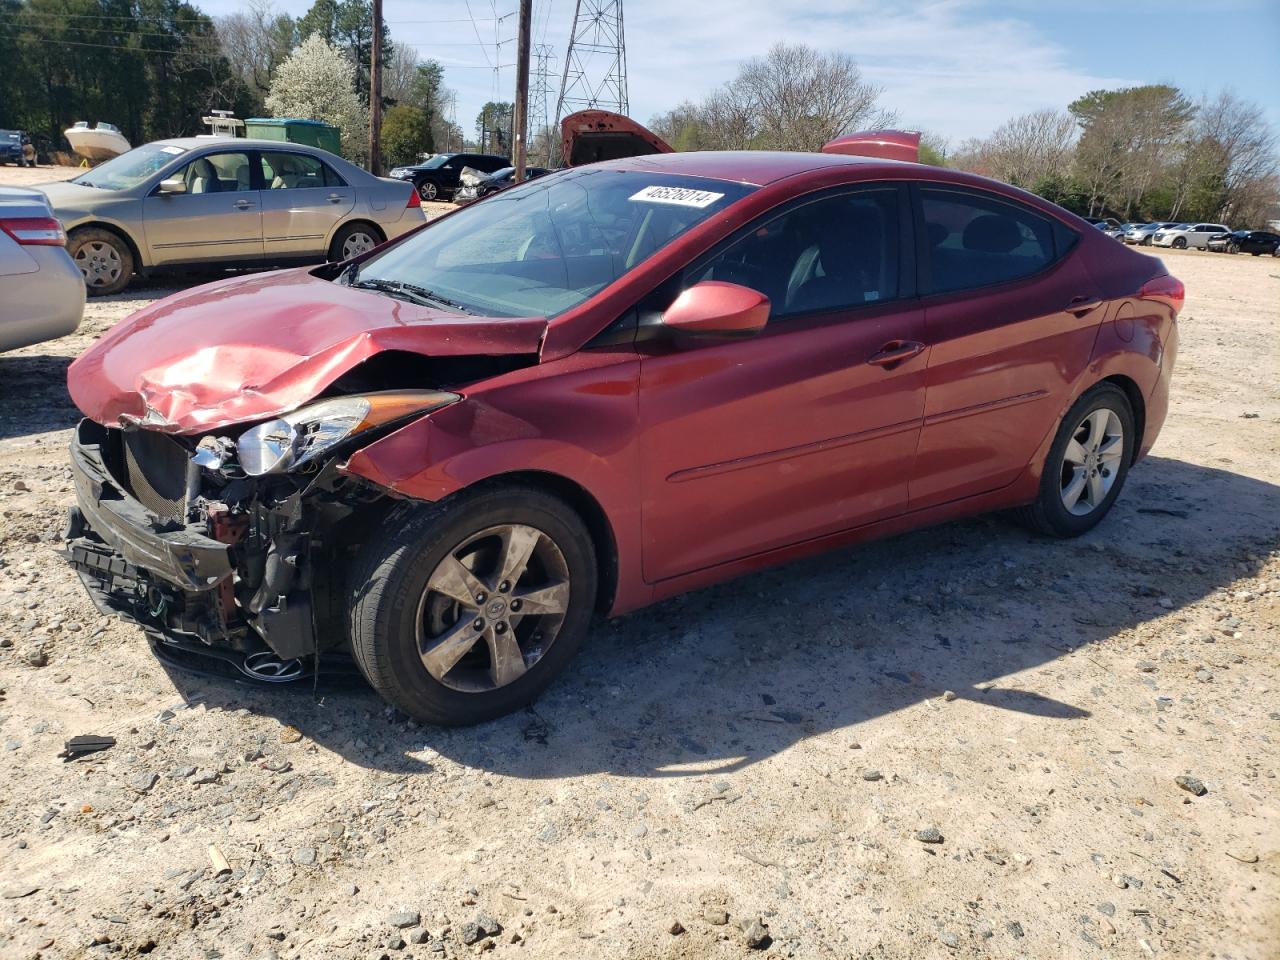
{"x": 314, "y": 133}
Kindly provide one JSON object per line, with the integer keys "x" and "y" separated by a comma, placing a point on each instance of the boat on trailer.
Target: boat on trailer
{"x": 101, "y": 142}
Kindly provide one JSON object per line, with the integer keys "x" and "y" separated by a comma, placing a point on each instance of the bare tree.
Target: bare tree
{"x": 400, "y": 73}
{"x": 1032, "y": 146}
{"x": 1239, "y": 147}
{"x": 255, "y": 41}
{"x": 793, "y": 98}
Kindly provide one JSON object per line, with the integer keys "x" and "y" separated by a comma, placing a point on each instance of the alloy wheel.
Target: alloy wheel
{"x": 99, "y": 263}
{"x": 1091, "y": 462}
{"x": 428, "y": 190}
{"x": 357, "y": 243}
{"x": 492, "y": 608}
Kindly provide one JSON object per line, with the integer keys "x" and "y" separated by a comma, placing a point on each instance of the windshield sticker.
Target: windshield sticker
{"x": 680, "y": 196}
{"x": 173, "y": 150}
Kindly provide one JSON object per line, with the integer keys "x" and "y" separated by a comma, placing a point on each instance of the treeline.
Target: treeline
{"x": 154, "y": 68}
{"x": 1144, "y": 153}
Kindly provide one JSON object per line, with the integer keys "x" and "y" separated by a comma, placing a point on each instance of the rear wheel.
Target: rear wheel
{"x": 1086, "y": 466}
{"x": 104, "y": 259}
{"x": 353, "y": 239}
{"x": 467, "y": 609}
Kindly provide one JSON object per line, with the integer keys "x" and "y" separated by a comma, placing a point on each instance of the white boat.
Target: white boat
{"x": 96, "y": 143}
{"x": 222, "y": 124}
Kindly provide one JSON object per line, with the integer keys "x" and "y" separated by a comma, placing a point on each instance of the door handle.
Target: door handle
{"x": 1079, "y": 306}
{"x": 335, "y": 198}
{"x": 243, "y": 204}
{"x": 895, "y": 352}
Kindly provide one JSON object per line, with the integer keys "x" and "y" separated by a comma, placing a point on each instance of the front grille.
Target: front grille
{"x": 156, "y": 472}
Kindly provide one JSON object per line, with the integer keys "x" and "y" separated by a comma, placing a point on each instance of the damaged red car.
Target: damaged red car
{"x": 598, "y": 389}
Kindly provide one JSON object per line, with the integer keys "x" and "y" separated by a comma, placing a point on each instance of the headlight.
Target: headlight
{"x": 299, "y": 437}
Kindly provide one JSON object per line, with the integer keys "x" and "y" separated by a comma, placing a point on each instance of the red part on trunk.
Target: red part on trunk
{"x": 883, "y": 144}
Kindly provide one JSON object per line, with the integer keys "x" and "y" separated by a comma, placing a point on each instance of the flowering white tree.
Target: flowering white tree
{"x": 317, "y": 82}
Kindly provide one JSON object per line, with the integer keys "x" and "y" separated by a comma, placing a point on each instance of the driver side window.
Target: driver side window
{"x": 218, "y": 173}
{"x": 834, "y": 253}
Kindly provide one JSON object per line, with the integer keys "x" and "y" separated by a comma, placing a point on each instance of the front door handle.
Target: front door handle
{"x": 895, "y": 352}
{"x": 1079, "y": 306}
{"x": 243, "y": 204}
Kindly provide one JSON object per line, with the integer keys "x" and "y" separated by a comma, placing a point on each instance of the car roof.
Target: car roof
{"x": 191, "y": 143}
{"x": 755, "y": 167}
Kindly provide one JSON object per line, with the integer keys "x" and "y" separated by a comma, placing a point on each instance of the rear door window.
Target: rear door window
{"x": 975, "y": 240}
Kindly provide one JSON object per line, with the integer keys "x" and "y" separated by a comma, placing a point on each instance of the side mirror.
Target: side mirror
{"x": 714, "y": 308}
{"x": 172, "y": 185}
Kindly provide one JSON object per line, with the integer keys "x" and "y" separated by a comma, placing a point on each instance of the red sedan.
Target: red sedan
{"x": 598, "y": 389}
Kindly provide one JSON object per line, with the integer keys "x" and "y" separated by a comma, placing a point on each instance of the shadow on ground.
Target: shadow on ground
{"x": 722, "y": 678}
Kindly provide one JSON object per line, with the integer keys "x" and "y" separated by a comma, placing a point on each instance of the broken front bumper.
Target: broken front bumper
{"x": 241, "y": 585}
{"x": 179, "y": 555}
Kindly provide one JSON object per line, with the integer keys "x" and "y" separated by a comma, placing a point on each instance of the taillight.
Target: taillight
{"x": 414, "y": 201}
{"x": 35, "y": 231}
{"x": 1165, "y": 289}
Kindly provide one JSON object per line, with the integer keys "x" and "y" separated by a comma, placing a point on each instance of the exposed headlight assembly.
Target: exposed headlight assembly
{"x": 298, "y": 438}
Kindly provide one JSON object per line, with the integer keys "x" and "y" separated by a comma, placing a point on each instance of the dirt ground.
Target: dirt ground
{"x": 738, "y": 766}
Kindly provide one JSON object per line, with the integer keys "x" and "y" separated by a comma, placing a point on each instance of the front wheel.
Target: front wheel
{"x": 1086, "y": 466}
{"x": 1233, "y": 248}
{"x": 428, "y": 190}
{"x": 465, "y": 610}
{"x": 104, "y": 259}
{"x": 1180, "y": 243}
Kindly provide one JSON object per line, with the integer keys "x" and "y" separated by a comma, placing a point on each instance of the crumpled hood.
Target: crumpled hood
{"x": 249, "y": 348}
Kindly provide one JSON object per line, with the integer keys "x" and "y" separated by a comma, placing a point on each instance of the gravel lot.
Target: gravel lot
{"x": 971, "y": 745}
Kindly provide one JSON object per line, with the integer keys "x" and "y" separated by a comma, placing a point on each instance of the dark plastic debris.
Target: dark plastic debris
{"x": 86, "y": 744}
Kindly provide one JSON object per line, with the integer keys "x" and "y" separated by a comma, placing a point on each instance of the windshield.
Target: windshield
{"x": 130, "y": 169}
{"x": 10, "y": 134}
{"x": 436, "y": 161}
{"x": 546, "y": 246}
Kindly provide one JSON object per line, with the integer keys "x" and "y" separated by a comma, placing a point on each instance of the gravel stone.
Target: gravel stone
{"x": 929, "y": 835}
{"x": 1191, "y": 785}
{"x": 404, "y": 919}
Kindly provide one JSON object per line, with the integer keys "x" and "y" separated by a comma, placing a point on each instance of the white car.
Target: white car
{"x": 41, "y": 292}
{"x": 1185, "y": 235}
{"x": 1141, "y": 233}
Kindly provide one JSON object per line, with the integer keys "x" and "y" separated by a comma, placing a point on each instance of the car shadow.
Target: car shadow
{"x": 731, "y": 675}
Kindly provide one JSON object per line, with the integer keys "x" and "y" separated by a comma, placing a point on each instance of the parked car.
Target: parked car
{"x": 437, "y": 178}
{"x": 216, "y": 201}
{"x": 41, "y": 293}
{"x": 1118, "y": 232}
{"x": 1103, "y": 223}
{"x": 473, "y": 186}
{"x": 1256, "y": 242}
{"x": 16, "y": 148}
{"x": 607, "y": 386}
{"x": 1140, "y": 234}
{"x": 1184, "y": 235}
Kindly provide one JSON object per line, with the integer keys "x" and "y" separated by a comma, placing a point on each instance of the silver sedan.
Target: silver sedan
{"x": 224, "y": 202}
{"x": 41, "y": 296}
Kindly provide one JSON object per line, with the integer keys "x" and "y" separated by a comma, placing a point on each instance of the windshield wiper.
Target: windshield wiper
{"x": 409, "y": 291}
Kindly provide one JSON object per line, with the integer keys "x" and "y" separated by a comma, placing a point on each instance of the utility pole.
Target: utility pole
{"x": 520, "y": 109}
{"x": 375, "y": 93}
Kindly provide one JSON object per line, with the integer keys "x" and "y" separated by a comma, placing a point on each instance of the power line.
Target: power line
{"x": 476, "y": 30}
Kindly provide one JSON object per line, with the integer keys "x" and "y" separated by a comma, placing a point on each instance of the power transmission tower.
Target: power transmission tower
{"x": 595, "y": 67}
{"x": 540, "y": 96}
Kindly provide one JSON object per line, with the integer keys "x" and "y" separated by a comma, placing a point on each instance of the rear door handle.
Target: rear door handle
{"x": 335, "y": 198}
{"x": 1079, "y": 306}
{"x": 243, "y": 204}
{"x": 895, "y": 352}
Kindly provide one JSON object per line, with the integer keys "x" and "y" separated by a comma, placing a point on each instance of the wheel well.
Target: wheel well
{"x": 1136, "y": 403}
{"x": 365, "y": 223}
{"x": 592, "y": 514}
{"x": 111, "y": 228}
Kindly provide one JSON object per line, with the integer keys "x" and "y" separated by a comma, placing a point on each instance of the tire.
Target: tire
{"x": 353, "y": 239}
{"x": 1233, "y": 248}
{"x": 1050, "y": 514}
{"x": 1180, "y": 243}
{"x": 104, "y": 259}
{"x": 393, "y": 608}
{"x": 428, "y": 190}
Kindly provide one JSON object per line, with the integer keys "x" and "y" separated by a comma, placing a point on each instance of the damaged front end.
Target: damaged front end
{"x": 233, "y": 544}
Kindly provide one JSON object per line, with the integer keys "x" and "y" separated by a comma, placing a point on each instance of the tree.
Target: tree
{"x": 793, "y": 98}
{"x": 493, "y": 127}
{"x": 256, "y": 41}
{"x": 317, "y": 82}
{"x": 406, "y": 132}
{"x": 348, "y": 25}
{"x": 1125, "y": 141}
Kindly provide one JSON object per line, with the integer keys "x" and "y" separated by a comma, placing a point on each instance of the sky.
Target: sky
{"x": 957, "y": 68}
